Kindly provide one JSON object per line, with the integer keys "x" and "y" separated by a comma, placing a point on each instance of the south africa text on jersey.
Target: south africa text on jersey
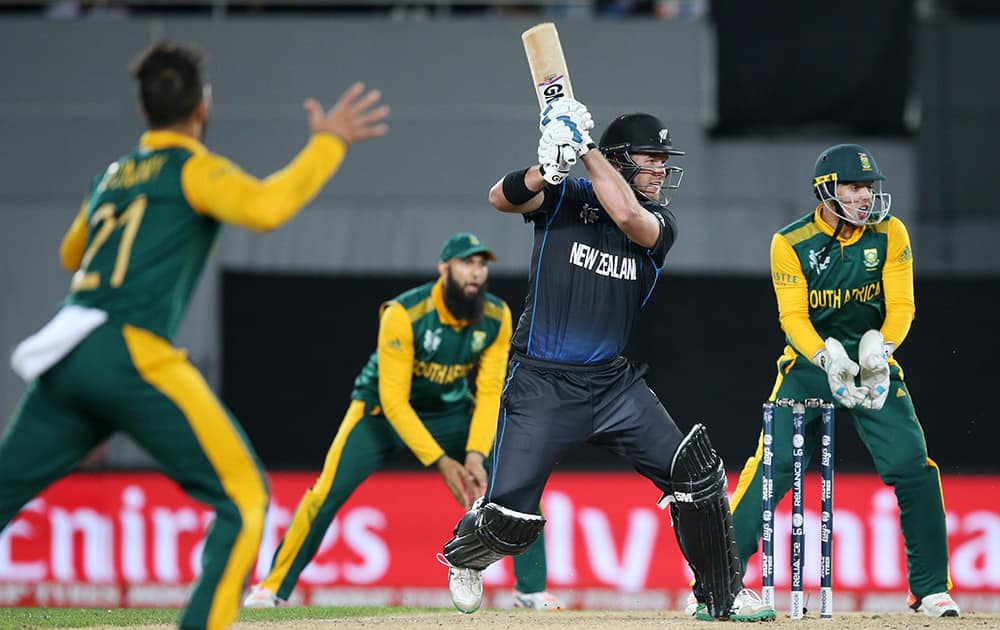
{"x": 603, "y": 263}
{"x": 835, "y": 298}
{"x": 441, "y": 374}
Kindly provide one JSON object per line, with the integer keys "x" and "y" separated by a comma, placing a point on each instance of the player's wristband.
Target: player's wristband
{"x": 515, "y": 190}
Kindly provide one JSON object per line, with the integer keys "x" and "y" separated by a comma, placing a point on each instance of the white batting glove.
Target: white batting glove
{"x": 556, "y": 144}
{"x": 578, "y": 128}
{"x": 840, "y": 372}
{"x": 554, "y": 173}
{"x": 568, "y": 107}
{"x": 873, "y": 358}
{"x": 556, "y": 154}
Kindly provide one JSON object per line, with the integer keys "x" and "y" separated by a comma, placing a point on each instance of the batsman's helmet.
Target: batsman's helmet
{"x": 844, "y": 163}
{"x": 640, "y": 133}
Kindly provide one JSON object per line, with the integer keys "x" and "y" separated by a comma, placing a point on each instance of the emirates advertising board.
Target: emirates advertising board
{"x": 135, "y": 540}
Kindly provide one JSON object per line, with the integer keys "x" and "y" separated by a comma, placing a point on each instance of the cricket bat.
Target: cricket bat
{"x": 548, "y": 66}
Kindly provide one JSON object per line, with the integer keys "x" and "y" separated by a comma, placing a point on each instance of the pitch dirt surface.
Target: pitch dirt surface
{"x": 617, "y": 620}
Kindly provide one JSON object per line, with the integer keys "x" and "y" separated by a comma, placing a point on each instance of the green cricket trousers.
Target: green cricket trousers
{"x": 123, "y": 378}
{"x": 363, "y": 442}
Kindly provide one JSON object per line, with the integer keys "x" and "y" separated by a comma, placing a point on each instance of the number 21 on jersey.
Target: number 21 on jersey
{"x": 105, "y": 217}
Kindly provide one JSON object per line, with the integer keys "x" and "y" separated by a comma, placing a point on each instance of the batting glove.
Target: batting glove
{"x": 579, "y": 124}
{"x": 873, "y": 357}
{"x": 840, "y": 372}
{"x": 556, "y": 153}
{"x": 563, "y": 108}
{"x": 554, "y": 173}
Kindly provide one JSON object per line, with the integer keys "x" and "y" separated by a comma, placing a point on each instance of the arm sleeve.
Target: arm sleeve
{"x": 216, "y": 187}
{"x": 74, "y": 242}
{"x": 395, "y": 374}
{"x": 792, "y": 293}
{"x": 556, "y": 194}
{"x": 668, "y": 234}
{"x": 897, "y": 282}
{"x": 489, "y": 385}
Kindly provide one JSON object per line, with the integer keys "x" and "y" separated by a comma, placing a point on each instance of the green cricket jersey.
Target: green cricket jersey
{"x": 423, "y": 362}
{"x": 847, "y": 292}
{"x": 146, "y": 245}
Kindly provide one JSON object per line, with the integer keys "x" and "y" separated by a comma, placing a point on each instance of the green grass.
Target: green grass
{"x": 82, "y": 617}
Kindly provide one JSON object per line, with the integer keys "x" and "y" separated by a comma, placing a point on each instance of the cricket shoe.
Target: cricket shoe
{"x": 936, "y": 605}
{"x": 747, "y": 607}
{"x": 261, "y": 597}
{"x": 691, "y": 606}
{"x": 465, "y": 585}
{"x": 543, "y": 600}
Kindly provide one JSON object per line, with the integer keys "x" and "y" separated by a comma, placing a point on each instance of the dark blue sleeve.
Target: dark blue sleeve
{"x": 570, "y": 190}
{"x": 668, "y": 234}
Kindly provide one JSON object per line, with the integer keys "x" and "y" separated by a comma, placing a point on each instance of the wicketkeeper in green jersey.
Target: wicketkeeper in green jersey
{"x": 106, "y": 363}
{"x": 414, "y": 393}
{"x": 843, "y": 277}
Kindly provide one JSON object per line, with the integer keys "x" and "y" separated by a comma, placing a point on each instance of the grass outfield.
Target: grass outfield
{"x": 89, "y": 617}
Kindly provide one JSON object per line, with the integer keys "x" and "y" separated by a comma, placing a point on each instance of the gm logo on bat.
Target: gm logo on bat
{"x": 554, "y": 91}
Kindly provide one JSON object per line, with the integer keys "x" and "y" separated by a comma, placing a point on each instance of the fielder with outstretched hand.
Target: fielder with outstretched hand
{"x": 843, "y": 277}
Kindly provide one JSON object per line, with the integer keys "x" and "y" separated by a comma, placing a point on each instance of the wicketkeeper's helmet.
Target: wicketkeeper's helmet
{"x": 844, "y": 163}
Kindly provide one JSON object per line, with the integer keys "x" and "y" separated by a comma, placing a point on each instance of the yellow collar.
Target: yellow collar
{"x": 825, "y": 228}
{"x": 437, "y": 297}
{"x": 153, "y": 140}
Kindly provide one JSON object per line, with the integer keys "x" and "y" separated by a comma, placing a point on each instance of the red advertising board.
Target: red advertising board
{"x": 117, "y": 540}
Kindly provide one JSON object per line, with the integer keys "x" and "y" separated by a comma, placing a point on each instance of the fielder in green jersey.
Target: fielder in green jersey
{"x": 106, "y": 363}
{"x": 843, "y": 277}
{"x": 414, "y": 393}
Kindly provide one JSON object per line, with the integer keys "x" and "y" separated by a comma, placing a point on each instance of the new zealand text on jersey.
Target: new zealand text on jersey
{"x": 602, "y": 263}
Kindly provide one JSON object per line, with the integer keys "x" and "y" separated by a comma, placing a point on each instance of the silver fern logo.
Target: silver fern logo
{"x": 816, "y": 263}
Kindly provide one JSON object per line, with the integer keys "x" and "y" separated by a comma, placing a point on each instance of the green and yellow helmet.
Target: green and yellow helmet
{"x": 846, "y": 163}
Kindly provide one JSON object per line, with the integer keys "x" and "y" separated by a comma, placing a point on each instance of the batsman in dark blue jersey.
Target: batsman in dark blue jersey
{"x": 600, "y": 245}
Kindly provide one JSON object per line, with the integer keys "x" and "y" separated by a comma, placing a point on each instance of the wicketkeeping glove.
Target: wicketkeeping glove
{"x": 840, "y": 372}
{"x": 873, "y": 357}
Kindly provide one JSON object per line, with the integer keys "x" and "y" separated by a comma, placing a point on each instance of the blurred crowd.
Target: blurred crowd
{"x": 117, "y": 9}
{"x": 403, "y": 9}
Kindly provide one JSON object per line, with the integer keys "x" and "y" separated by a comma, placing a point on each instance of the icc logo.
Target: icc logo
{"x": 432, "y": 339}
